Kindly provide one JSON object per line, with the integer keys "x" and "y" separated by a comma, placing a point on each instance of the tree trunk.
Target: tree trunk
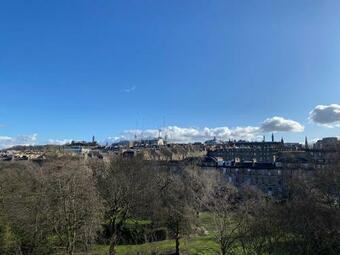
{"x": 223, "y": 250}
{"x": 177, "y": 239}
{"x": 177, "y": 246}
{"x": 113, "y": 243}
{"x": 70, "y": 247}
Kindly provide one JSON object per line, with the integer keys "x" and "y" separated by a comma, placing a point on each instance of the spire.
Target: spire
{"x": 264, "y": 138}
{"x": 272, "y": 137}
{"x": 282, "y": 140}
{"x": 306, "y": 143}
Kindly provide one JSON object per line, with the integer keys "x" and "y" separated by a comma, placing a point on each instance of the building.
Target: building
{"x": 78, "y": 150}
{"x": 211, "y": 142}
{"x": 328, "y": 143}
{"x": 264, "y": 152}
{"x": 151, "y": 142}
{"x": 266, "y": 176}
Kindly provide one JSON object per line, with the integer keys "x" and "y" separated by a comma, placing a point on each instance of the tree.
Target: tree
{"x": 221, "y": 201}
{"x": 259, "y": 230}
{"x": 176, "y": 208}
{"x": 23, "y": 202}
{"x": 54, "y": 204}
{"x": 74, "y": 207}
{"x": 127, "y": 188}
{"x": 181, "y": 192}
{"x": 312, "y": 215}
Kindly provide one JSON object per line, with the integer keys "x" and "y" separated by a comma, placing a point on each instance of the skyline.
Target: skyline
{"x": 230, "y": 69}
{"x": 322, "y": 115}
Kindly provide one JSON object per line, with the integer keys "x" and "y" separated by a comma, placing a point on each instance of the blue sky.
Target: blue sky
{"x": 73, "y": 68}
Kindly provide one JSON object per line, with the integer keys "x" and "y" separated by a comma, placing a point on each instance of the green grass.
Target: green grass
{"x": 200, "y": 245}
{"x": 135, "y": 249}
{"x": 206, "y": 220}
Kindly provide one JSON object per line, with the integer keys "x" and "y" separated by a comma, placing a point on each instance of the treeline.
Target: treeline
{"x": 67, "y": 204}
{"x": 306, "y": 223}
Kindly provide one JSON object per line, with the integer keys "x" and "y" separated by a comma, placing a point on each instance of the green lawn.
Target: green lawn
{"x": 200, "y": 245}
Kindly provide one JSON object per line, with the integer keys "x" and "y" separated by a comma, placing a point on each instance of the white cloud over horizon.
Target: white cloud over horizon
{"x": 326, "y": 115}
{"x": 185, "y": 135}
{"x": 10, "y": 141}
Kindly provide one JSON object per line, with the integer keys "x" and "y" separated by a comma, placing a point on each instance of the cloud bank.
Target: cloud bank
{"x": 327, "y": 115}
{"x": 8, "y": 141}
{"x": 187, "y": 135}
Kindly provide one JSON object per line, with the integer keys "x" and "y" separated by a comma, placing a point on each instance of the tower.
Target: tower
{"x": 282, "y": 140}
{"x": 264, "y": 139}
{"x": 93, "y": 139}
{"x": 272, "y": 137}
{"x": 306, "y": 143}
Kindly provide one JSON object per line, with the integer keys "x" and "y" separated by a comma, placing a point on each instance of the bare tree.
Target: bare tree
{"x": 23, "y": 202}
{"x": 175, "y": 207}
{"x": 221, "y": 202}
{"x": 74, "y": 207}
{"x": 312, "y": 215}
{"x": 57, "y": 198}
{"x": 127, "y": 187}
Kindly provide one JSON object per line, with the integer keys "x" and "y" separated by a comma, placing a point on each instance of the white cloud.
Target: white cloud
{"x": 59, "y": 141}
{"x": 185, "y": 135}
{"x": 279, "y": 124}
{"x": 8, "y": 141}
{"x": 128, "y": 90}
{"x": 327, "y": 115}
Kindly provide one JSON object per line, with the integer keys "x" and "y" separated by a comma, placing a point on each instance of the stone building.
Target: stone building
{"x": 266, "y": 176}
{"x": 263, "y": 152}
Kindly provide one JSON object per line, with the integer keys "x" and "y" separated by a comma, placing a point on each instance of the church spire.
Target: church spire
{"x": 272, "y": 137}
{"x": 306, "y": 143}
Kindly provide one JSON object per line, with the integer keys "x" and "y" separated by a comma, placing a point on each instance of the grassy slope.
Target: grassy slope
{"x": 204, "y": 245}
